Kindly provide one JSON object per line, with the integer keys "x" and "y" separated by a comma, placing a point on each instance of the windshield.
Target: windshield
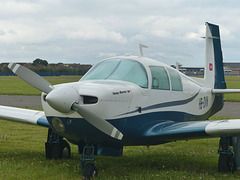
{"x": 119, "y": 69}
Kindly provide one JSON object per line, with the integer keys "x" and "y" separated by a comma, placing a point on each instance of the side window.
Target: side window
{"x": 175, "y": 80}
{"x": 160, "y": 78}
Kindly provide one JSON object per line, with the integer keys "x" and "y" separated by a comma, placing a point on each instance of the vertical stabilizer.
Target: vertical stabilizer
{"x": 214, "y": 74}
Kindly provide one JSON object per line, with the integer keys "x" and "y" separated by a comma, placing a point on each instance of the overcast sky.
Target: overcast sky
{"x": 85, "y": 31}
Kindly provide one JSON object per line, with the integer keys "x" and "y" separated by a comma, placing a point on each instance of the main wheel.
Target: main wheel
{"x": 90, "y": 171}
{"x": 225, "y": 163}
{"x": 65, "y": 150}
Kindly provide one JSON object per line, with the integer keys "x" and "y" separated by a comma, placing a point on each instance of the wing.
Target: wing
{"x": 171, "y": 131}
{"x": 23, "y": 115}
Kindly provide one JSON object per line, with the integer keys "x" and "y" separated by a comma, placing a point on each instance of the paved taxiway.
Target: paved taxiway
{"x": 231, "y": 109}
{"x": 20, "y": 101}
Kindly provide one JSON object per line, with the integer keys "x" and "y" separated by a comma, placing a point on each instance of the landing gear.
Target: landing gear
{"x": 225, "y": 163}
{"x": 226, "y": 154}
{"x": 65, "y": 150}
{"x": 56, "y": 147}
{"x": 89, "y": 170}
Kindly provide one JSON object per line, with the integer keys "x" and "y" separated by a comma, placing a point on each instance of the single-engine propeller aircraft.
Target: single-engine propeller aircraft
{"x": 132, "y": 101}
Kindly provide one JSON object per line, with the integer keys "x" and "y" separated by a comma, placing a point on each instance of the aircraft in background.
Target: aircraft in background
{"x": 133, "y": 101}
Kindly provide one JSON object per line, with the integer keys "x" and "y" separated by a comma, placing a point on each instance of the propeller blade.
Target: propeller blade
{"x": 31, "y": 77}
{"x": 98, "y": 122}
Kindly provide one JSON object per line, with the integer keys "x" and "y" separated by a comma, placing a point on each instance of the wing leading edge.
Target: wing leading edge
{"x": 171, "y": 131}
{"x": 23, "y": 115}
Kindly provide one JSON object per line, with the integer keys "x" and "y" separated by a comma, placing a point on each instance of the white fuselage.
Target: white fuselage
{"x": 130, "y": 107}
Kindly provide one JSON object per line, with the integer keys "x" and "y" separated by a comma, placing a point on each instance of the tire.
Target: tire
{"x": 65, "y": 150}
{"x": 225, "y": 163}
{"x": 90, "y": 171}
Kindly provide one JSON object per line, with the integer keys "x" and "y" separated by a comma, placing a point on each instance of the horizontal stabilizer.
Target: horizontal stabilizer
{"x": 225, "y": 91}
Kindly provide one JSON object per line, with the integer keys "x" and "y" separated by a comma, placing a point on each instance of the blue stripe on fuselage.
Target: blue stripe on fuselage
{"x": 166, "y": 104}
{"x": 173, "y": 103}
{"x": 139, "y": 129}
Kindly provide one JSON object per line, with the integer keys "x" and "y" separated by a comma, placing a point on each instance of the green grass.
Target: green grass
{"x": 235, "y": 97}
{"x": 232, "y": 78}
{"x": 22, "y": 151}
{"x": 13, "y": 85}
{"x": 22, "y": 156}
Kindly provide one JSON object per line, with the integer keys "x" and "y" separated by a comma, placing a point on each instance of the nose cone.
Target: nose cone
{"x": 62, "y": 98}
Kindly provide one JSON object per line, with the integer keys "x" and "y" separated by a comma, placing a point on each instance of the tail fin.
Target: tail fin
{"x": 214, "y": 74}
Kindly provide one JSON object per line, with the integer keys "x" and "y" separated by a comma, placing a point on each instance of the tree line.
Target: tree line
{"x": 44, "y": 68}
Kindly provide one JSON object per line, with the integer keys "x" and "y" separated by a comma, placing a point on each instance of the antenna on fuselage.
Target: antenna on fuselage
{"x": 140, "y": 48}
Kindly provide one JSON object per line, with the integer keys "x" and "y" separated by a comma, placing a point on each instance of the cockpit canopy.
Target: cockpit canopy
{"x": 119, "y": 69}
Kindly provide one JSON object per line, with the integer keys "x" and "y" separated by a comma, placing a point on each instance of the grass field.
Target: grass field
{"x": 13, "y": 85}
{"x": 22, "y": 156}
{"x": 233, "y": 85}
{"x": 22, "y": 151}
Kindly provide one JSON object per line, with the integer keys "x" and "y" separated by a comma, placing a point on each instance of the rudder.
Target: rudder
{"x": 214, "y": 74}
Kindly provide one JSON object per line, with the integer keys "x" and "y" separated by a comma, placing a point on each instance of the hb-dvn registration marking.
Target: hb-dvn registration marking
{"x": 203, "y": 102}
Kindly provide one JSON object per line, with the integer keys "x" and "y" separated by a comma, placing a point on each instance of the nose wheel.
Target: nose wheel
{"x": 89, "y": 169}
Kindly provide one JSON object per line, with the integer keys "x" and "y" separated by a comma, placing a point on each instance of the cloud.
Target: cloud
{"x": 85, "y": 31}
{"x": 22, "y": 33}
{"x": 97, "y": 34}
{"x": 80, "y": 28}
{"x": 17, "y": 7}
{"x": 196, "y": 36}
{"x": 106, "y": 54}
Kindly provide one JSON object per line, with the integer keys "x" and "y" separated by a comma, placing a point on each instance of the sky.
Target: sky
{"x": 86, "y": 31}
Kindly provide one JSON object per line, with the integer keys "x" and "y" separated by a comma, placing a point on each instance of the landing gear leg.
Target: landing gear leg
{"x": 236, "y": 148}
{"x": 225, "y": 161}
{"x": 56, "y": 147}
{"x": 89, "y": 170}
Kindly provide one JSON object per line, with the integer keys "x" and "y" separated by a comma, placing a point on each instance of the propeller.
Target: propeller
{"x": 64, "y": 99}
{"x": 98, "y": 122}
{"x": 31, "y": 77}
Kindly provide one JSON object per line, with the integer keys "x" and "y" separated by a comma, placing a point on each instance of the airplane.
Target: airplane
{"x": 133, "y": 101}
